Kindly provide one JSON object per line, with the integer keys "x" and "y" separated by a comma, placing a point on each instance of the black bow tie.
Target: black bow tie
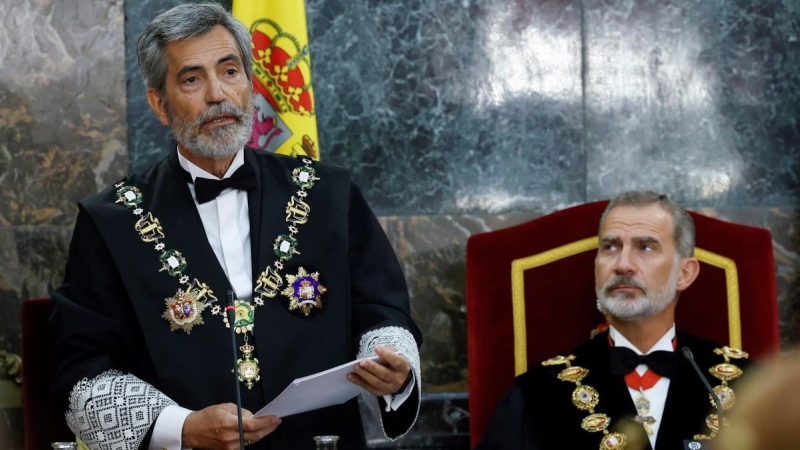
{"x": 624, "y": 360}
{"x": 207, "y": 189}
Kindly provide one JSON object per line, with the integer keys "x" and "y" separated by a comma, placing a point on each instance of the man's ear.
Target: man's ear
{"x": 158, "y": 105}
{"x": 690, "y": 268}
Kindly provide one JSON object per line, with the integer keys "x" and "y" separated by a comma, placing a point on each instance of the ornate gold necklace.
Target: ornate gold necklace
{"x": 184, "y": 309}
{"x": 586, "y": 397}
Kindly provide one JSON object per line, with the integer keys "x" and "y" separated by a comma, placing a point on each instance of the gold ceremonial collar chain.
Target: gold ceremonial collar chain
{"x": 184, "y": 310}
{"x": 586, "y": 398}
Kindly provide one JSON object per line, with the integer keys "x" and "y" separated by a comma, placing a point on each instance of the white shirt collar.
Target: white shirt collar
{"x": 197, "y": 172}
{"x": 665, "y": 343}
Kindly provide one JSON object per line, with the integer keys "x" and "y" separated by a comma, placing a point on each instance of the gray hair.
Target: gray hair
{"x": 184, "y": 22}
{"x": 682, "y": 223}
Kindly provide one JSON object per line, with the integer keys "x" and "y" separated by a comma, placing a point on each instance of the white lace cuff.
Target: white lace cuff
{"x": 405, "y": 345}
{"x": 113, "y": 411}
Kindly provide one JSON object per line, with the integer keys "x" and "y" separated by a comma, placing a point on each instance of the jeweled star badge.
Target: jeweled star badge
{"x": 304, "y": 291}
{"x": 184, "y": 311}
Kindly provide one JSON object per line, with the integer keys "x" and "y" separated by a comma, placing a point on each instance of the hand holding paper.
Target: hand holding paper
{"x": 319, "y": 390}
{"x": 384, "y": 377}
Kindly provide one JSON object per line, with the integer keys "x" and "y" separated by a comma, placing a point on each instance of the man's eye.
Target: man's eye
{"x": 232, "y": 71}
{"x": 190, "y": 80}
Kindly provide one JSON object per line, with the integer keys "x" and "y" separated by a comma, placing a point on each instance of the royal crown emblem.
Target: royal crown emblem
{"x": 284, "y": 102}
{"x": 284, "y": 68}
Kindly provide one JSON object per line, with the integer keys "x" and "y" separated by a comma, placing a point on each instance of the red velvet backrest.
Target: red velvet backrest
{"x": 43, "y": 423}
{"x": 560, "y": 303}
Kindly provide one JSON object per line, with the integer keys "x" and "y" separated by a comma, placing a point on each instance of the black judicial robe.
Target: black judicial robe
{"x": 107, "y": 315}
{"x": 538, "y": 414}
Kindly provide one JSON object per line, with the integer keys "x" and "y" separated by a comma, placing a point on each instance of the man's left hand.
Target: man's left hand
{"x": 381, "y": 378}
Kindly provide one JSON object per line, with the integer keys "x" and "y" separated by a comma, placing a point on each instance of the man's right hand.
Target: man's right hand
{"x": 217, "y": 427}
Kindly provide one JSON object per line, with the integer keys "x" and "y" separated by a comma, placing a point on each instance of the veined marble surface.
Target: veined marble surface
{"x": 451, "y": 106}
{"x": 62, "y": 107}
{"x": 698, "y": 98}
{"x": 62, "y": 136}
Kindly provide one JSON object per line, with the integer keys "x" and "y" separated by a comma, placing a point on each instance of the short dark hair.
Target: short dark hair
{"x": 682, "y": 223}
{"x": 184, "y": 22}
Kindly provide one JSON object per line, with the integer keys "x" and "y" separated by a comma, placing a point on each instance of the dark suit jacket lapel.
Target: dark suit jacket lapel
{"x": 268, "y": 217}
{"x": 255, "y": 206}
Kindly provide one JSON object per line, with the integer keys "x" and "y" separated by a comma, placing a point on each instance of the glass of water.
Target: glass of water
{"x": 326, "y": 442}
{"x": 64, "y": 445}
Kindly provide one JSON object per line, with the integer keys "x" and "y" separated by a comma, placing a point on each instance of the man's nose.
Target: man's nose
{"x": 215, "y": 92}
{"x": 624, "y": 264}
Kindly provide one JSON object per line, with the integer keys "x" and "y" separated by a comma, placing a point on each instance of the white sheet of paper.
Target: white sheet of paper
{"x": 326, "y": 388}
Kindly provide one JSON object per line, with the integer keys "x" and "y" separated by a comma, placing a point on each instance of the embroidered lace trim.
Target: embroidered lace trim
{"x": 114, "y": 411}
{"x": 404, "y": 344}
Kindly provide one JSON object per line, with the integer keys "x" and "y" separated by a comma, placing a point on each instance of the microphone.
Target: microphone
{"x": 690, "y": 357}
{"x": 231, "y": 313}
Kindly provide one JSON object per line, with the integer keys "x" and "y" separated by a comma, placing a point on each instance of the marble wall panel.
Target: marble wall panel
{"x": 451, "y": 106}
{"x": 693, "y": 97}
{"x": 62, "y": 107}
{"x": 31, "y": 265}
{"x": 62, "y": 138}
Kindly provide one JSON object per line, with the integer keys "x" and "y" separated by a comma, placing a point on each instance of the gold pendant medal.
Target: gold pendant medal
{"x": 247, "y": 366}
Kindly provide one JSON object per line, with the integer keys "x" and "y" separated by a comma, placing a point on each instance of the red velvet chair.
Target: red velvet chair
{"x": 530, "y": 296}
{"x": 43, "y": 423}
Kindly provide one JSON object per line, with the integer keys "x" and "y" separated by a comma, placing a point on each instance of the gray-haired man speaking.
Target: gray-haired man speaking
{"x": 143, "y": 350}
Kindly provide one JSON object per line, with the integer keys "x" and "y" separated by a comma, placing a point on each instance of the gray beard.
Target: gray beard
{"x": 626, "y": 308}
{"x": 218, "y": 142}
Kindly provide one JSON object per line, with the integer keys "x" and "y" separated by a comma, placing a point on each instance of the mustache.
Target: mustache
{"x": 623, "y": 281}
{"x": 226, "y": 107}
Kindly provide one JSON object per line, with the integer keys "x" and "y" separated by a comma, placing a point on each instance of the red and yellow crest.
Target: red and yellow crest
{"x": 285, "y": 120}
